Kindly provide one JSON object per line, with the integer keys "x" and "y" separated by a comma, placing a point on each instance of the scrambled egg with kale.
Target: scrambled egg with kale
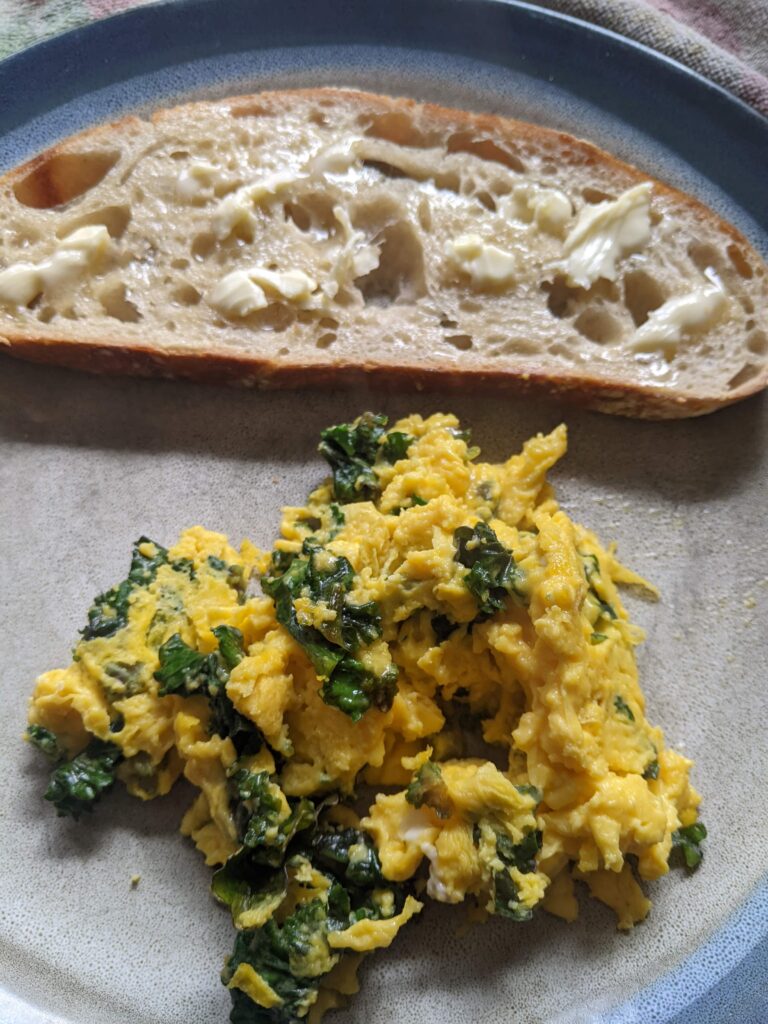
{"x": 427, "y": 690}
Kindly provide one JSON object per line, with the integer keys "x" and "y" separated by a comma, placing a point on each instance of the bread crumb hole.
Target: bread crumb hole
{"x": 596, "y": 195}
{"x": 395, "y": 126}
{"x": 170, "y": 325}
{"x": 180, "y": 263}
{"x": 283, "y": 351}
{"x": 470, "y": 306}
{"x": 202, "y": 245}
{"x": 116, "y": 304}
{"x": 186, "y": 295}
{"x": 757, "y": 342}
{"x": 55, "y": 180}
{"x": 741, "y": 264}
{"x": 642, "y": 294}
{"x": 295, "y": 212}
{"x": 317, "y": 117}
{"x": 487, "y": 200}
{"x": 704, "y": 255}
{"x": 326, "y": 340}
{"x": 400, "y": 273}
{"x": 114, "y": 218}
{"x": 747, "y": 304}
{"x": 46, "y": 314}
{"x": 463, "y": 342}
{"x": 328, "y": 323}
{"x": 387, "y": 169}
{"x": 562, "y": 297}
{"x": 179, "y": 154}
{"x": 486, "y": 149}
{"x": 747, "y": 373}
{"x": 598, "y": 325}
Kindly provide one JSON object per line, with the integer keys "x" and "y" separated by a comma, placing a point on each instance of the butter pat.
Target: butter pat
{"x": 20, "y": 284}
{"x": 548, "y": 208}
{"x": 486, "y": 264}
{"x": 76, "y": 253}
{"x": 236, "y": 210}
{"x": 606, "y": 232}
{"x": 196, "y": 179}
{"x": 243, "y": 292}
{"x": 687, "y": 314}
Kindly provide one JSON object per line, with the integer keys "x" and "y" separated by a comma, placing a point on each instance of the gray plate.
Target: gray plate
{"x": 89, "y": 464}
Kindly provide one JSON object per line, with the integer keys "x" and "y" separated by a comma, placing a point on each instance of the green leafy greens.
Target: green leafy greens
{"x": 352, "y": 449}
{"x": 109, "y": 611}
{"x": 686, "y": 842}
{"x": 76, "y": 785}
{"x": 493, "y": 573}
{"x": 326, "y": 580}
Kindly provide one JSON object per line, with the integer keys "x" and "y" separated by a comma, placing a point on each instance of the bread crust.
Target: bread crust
{"x": 407, "y": 120}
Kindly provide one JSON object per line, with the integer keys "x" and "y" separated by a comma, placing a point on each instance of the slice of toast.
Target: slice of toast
{"x": 332, "y": 237}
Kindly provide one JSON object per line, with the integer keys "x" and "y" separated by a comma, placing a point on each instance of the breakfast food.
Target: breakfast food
{"x": 432, "y": 694}
{"x": 330, "y": 236}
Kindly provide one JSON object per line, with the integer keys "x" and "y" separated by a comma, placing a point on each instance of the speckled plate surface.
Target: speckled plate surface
{"x": 89, "y": 464}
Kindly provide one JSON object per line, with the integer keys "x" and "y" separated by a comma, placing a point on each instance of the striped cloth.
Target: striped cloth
{"x": 726, "y": 40}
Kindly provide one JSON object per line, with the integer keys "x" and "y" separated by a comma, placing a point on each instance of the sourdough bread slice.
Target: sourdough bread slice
{"x": 330, "y": 236}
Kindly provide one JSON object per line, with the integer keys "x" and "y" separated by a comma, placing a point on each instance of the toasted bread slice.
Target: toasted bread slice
{"x": 328, "y": 236}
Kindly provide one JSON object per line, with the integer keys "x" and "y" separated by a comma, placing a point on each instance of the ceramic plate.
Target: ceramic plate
{"x": 89, "y": 464}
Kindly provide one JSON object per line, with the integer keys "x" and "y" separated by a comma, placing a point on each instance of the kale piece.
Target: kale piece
{"x": 45, "y": 741}
{"x": 523, "y": 857}
{"x": 686, "y": 844}
{"x": 109, "y": 611}
{"x": 652, "y": 769}
{"x": 352, "y": 449}
{"x": 353, "y": 689}
{"x": 396, "y": 445}
{"x": 591, "y": 564}
{"x": 230, "y": 644}
{"x": 493, "y": 573}
{"x": 326, "y": 580}
{"x": 258, "y": 815}
{"x": 427, "y": 788}
{"x": 76, "y": 785}
{"x": 293, "y": 955}
{"x": 333, "y": 851}
{"x": 183, "y": 670}
{"x": 597, "y": 638}
{"x": 623, "y": 708}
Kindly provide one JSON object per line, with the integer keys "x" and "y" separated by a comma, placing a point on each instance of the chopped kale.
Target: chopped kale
{"x": 493, "y": 573}
{"x": 591, "y": 565}
{"x": 243, "y": 886}
{"x": 396, "y": 445}
{"x": 353, "y": 689}
{"x": 45, "y": 741}
{"x": 597, "y": 638}
{"x": 428, "y": 789}
{"x": 623, "y": 708}
{"x": 442, "y": 627}
{"x": 109, "y": 611}
{"x": 351, "y": 450}
{"x": 686, "y": 843}
{"x": 259, "y": 813}
{"x": 233, "y": 575}
{"x": 331, "y": 644}
{"x": 76, "y": 785}
{"x": 520, "y": 855}
{"x": 230, "y": 644}
{"x": 349, "y": 855}
{"x": 651, "y": 770}
{"x": 183, "y": 670}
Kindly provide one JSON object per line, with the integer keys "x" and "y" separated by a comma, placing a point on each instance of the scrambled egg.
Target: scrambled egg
{"x": 431, "y": 626}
